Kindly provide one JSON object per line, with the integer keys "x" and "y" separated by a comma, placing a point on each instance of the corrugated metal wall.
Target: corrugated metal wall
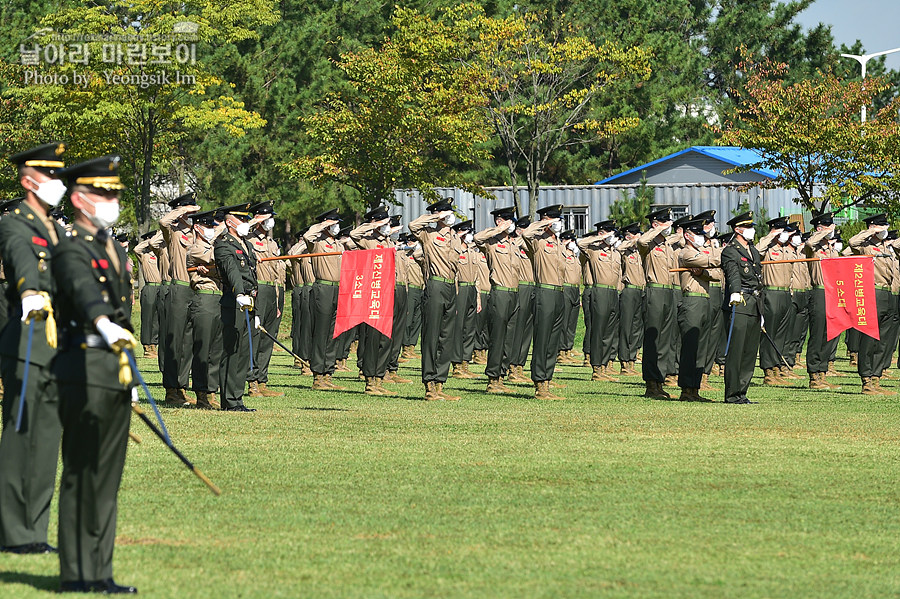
{"x": 597, "y": 199}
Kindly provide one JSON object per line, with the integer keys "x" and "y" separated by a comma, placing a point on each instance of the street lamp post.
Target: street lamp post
{"x": 862, "y": 60}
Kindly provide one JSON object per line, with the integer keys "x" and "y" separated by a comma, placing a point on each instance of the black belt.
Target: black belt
{"x": 753, "y": 292}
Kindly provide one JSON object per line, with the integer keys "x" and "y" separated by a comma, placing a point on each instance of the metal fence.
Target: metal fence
{"x": 587, "y": 204}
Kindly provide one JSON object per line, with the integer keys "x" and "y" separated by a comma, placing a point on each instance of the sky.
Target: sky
{"x": 873, "y": 22}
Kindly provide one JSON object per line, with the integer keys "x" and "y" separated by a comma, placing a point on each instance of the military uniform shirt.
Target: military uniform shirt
{"x": 502, "y": 256}
{"x": 546, "y": 253}
{"x": 866, "y": 243}
{"x": 326, "y": 268}
{"x": 179, "y": 238}
{"x": 659, "y": 257}
{"x": 703, "y": 258}
{"x": 440, "y": 247}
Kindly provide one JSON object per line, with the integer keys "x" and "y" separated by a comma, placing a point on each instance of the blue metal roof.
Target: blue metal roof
{"x": 732, "y": 155}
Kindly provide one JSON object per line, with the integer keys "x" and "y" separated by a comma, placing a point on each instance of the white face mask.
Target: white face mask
{"x": 617, "y": 243}
{"x": 385, "y": 230}
{"x": 783, "y": 237}
{"x": 450, "y": 220}
{"x": 715, "y": 243}
{"x": 207, "y": 233}
{"x": 556, "y": 227}
{"x": 572, "y": 246}
{"x": 511, "y": 227}
{"x": 699, "y": 240}
{"x": 50, "y": 192}
{"x": 831, "y": 234}
{"x": 712, "y": 231}
{"x": 269, "y": 224}
{"x": 796, "y": 240}
{"x": 838, "y": 246}
{"x": 242, "y": 229}
{"x": 882, "y": 234}
{"x": 668, "y": 230}
{"x": 749, "y": 233}
{"x": 105, "y": 213}
{"x": 468, "y": 238}
{"x": 334, "y": 229}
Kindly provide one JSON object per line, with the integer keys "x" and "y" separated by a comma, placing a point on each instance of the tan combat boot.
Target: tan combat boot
{"x": 868, "y": 387}
{"x": 266, "y": 392}
{"x": 254, "y": 390}
{"x": 693, "y": 395}
{"x": 341, "y": 366}
{"x": 587, "y": 361}
{"x": 770, "y": 377}
{"x": 431, "y": 393}
{"x": 379, "y": 382}
{"x": 203, "y": 402}
{"x": 439, "y": 388}
{"x": 331, "y": 384}
{"x": 632, "y": 370}
{"x": 393, "y": 377}
{"x": 704, "y": 383}
{"x": 654, "y": 390}
{"x": 298, "y": 363}
{"x": 832, "y": 371}
{"x": 598, "y": 375}
{"x": 610, "y": 372}
{"x": 319, "y": 383}
{"x": 516, "y": 375}
{"x": 542, "y": 391}
{"x": 817, "y": 383}
{"x": 786, "y": 373}
{"x": 148, "y": 352}
{"x": 173, "y": 399}
{"x": 372, "y": 387}
{"x": 495, "y": 386}
{"x": 853, "y": 359}
{"x": 881, "y": 389}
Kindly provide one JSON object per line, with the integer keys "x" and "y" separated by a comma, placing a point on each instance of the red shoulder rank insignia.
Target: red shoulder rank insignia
{"x": 328, "y": 246}
{"x": 185, "y": 237}
{"x": 744, "y": 259}
{"x": 240, "y": 252}
{"x": 501, "y": 246}
{"x": 259, "y": 243}
{"x": 39, "y": 241}
{"x": 463, "y": 257}
{"x": 604, "y": 254}
{"x": 876, "y": 249}
{"x": 658, "y": 249}
{"x": 550, "y": 244}
{"x": 706, "y": 252}
{"x": 439, "y": 238}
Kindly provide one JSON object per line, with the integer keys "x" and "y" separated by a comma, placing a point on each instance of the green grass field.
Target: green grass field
{"x": 606, "y": 494}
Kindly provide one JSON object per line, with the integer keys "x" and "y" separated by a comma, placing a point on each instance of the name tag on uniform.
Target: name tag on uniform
{"x": 239, "y": 252}
{"x": 185, "y": 237}
{"x": 100, "y": 264}
{"x": 604, "y": 254}
{"x": 550, "y": 245}
{"x": 329, "y": 247}
{"x": 439, "y": 238}
{"x": 463, "y": 258}
{"x": 658, "y": 249}
{"x": 744, "y": 259}
{"x": 501, "y": 246}
{"x": 876, "y": 249}
{"x": 260, "y": 244}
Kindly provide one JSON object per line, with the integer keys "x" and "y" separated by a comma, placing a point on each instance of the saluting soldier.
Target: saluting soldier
{"x": 93, "y": 281}
{"x": 158, "y": 245}
{"x": 719, "y": 242}
{"x": 800, "y": 287}
{"x": 694, "y": 312}
{"x": 659, "y": 325}
{"x": 374, "y": 347}
{"x": 631, "y": 300}
{"x": 743, "y": 288}
{"x": 205, "y": 309}
{"x": 327, "y": 271}
{"x": 398, "y": 327}
{"x": 467, "y": 301}
{"x": 606, "y": 272}
{"x": 544, "y": 248}
{"x": 870, "y": 363}
{"x": 586, "y": 295}
{"x": 775, "y": 246}
{"x": 28, "y": 246}
{"x": 503, "y": 259}
{"x": 818, "y": 348}
{"x": 524, "y": 324}
{"x": 572, "y": 294}
{"x": 415, "y": 290}
{"x": 236, "y": 265}
{"x": 149, "y": 265}
{"x": 269, "y": 302}
{"x": 178, "y": 343}
{"x": 441, "y": 254}
{"x": 482, "y": 326}
{"x": 302, "y": 280}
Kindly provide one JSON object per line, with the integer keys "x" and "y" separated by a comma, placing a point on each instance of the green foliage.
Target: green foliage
{"x": 809, "y": 132}
{"x": 633, "y": 207}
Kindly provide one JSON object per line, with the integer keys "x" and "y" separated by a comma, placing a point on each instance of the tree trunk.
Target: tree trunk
{"x": 534, "y": 188}
{"x": 143, "y": 212}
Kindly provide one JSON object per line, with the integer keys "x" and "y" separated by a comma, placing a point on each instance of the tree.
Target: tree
{"x": 541, "y": 79}
{"x": 131, "y": 105}
{"x": 407, "y": 110}
{"x": 631, "y": 208}
{"x": 810, "y": 134}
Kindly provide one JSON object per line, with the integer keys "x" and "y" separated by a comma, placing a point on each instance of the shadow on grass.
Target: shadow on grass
{"x": 41, "y": 582}
{"x": 317, "y": 409}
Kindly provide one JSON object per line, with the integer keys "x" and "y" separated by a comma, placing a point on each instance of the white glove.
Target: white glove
{"x": 115, "y": 336}
{"x": 134, "y": 395}
{"x": 244, "y": 301}
{"x": 735, "y": 299}
{"x": 257, "y": 323}
{"x": 762, "y": 321}
{"x": 32, "y": 307}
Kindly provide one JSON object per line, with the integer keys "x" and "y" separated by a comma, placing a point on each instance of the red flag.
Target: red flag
{"x": 850, "y": 295}
{"x": 366, "y": 294}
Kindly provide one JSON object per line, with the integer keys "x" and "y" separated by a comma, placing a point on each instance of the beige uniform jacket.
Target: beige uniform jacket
{"x": 439, "y": 246}
{"x": 296, "y": 269}
{"x": 866, "y": 243}
{"x": 525, "y": 264}
{"x": 272, "y": 272}
{"x": 659, "y": 257}
{"x": 703, "y": 258}
{"x": 325, "y": 268}
{"x": 775, "y": 275}
{"x": 179, "y": 239}
{"x": 148, "y": 262}
{"x": 158, "y": 245}
{"x": 632, "y": 264}
{"x": 818, "y": 246}
{"x": 502, "y": 256}
{"x": 202, "y": 253}
{"x": 605, "y": 262}
{"x": 546, "y": 254}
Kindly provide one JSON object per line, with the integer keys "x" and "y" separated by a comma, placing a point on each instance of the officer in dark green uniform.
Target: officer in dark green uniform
{"x": 236, "y": 265}
{"x": 93, "y": 278}
{"x": 4, "y": 304}
{"x": 743, "y": 290}
{"x": 28, "y": 239}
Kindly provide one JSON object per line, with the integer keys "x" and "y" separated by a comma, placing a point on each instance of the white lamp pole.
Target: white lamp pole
{"x": 862, "y": 60}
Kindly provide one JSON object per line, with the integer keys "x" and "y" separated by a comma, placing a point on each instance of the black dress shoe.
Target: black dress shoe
{"x": 742, "y": 401}
{"x": 29, "y": 548}
{"x": 240, "y": 409}
{"x": 107, "y": 587}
